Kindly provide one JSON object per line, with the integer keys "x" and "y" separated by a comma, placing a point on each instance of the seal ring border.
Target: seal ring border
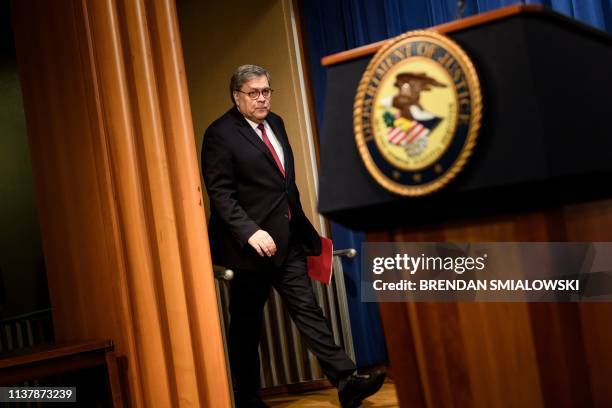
{"x": 474, "y": 125}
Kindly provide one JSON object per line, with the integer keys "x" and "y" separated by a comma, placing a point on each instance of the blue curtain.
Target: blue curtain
{"x": 337, "y": 25}
{"x": 332, "y": 26}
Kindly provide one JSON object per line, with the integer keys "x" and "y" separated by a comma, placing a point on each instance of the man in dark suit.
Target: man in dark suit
{"x": 258, "y": 228}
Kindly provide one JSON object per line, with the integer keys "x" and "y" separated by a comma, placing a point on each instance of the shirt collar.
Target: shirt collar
{"x": 253, "y": 124}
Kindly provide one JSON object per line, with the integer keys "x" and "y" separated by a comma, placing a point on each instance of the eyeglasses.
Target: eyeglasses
{"x": 267, "y": 92}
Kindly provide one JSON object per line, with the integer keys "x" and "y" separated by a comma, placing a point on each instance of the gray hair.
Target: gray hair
{"x": 245, "y": 73}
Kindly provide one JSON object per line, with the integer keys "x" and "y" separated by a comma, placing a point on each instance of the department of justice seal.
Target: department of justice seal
{"x": 417, "y": 113}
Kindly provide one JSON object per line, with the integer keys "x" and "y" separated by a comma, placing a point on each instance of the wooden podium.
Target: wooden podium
{"x": 540, "y": 172}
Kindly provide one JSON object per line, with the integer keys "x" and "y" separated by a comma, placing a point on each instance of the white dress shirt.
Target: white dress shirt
{"x": 275, "y": 143}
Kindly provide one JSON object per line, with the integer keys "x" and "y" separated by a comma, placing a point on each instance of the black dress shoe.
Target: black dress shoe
{"x": 353, "y": 389}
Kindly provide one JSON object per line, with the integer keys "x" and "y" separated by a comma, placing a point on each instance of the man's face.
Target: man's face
{"x": 254, "y": 109}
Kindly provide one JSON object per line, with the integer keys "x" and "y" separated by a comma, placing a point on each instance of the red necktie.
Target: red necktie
{"x": 264, "y": 137}
{"x": 266, "y": 140}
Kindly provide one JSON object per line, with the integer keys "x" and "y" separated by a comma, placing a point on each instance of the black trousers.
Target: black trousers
{"x": 249, "y": 291}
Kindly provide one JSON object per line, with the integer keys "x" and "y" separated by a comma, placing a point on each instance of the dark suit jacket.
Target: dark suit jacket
{"x": 248, "y": 192}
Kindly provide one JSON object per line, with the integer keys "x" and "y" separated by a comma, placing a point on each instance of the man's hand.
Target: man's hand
{"x": 263, "y": 243}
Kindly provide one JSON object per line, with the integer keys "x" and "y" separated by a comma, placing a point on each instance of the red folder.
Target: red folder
{"x": 320, "y": 267}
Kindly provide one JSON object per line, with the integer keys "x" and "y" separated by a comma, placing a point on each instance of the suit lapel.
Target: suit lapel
{"x": 282, "y": 138}
{"x": 245, "y": 129}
